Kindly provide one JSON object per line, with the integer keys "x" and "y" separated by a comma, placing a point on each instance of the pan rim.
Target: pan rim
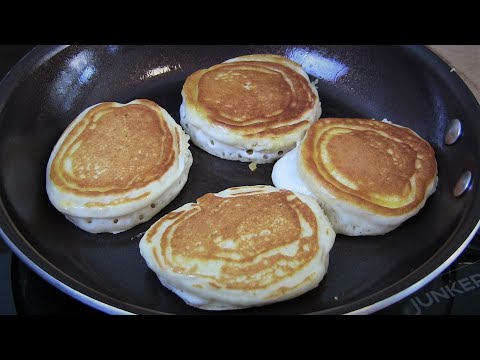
{"x": 78, "y": 290}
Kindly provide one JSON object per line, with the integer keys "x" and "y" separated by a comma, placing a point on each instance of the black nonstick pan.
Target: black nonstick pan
{"x": 408, "y": 85}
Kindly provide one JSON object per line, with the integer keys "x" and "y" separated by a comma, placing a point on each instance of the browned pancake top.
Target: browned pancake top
{"x": 256, "y": 238}
{"x": 114, "y": 150}
{"x": 375, "y": 165}
{"x": 251, "y": 98}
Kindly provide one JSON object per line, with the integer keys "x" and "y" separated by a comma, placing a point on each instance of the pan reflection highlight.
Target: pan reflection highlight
{"x": 69, "y": 82}
{"x": 112, "y": 49}
{"x": 159, "y": 71}
{"x": 318, "y": 65}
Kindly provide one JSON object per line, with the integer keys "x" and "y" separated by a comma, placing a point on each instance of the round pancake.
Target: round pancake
{"x": 117, "y": 165}
{"x": 242, "y": 247}
{"x": 250, "y": 108}
{"x": 369, "y": 176}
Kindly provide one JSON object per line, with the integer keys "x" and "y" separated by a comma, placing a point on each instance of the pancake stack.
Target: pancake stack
{"x": 117, "y": 165}
{"x": 242, "y": 247}
{"x": 369, "y": 176}
{"x": 250, "y": 108}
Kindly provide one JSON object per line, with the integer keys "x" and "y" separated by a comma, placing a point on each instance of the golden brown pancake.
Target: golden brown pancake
{"x": 114, "y": 150}
{"x": 261, "y": 103}
{"x": 369, "y": 163}
{"x": 245, "y": 246}
{"x": 369, "y": 175}
{"x": 115, "y": 159}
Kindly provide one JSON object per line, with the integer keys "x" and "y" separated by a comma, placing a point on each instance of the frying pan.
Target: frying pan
{"x": 408, "y": 85}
